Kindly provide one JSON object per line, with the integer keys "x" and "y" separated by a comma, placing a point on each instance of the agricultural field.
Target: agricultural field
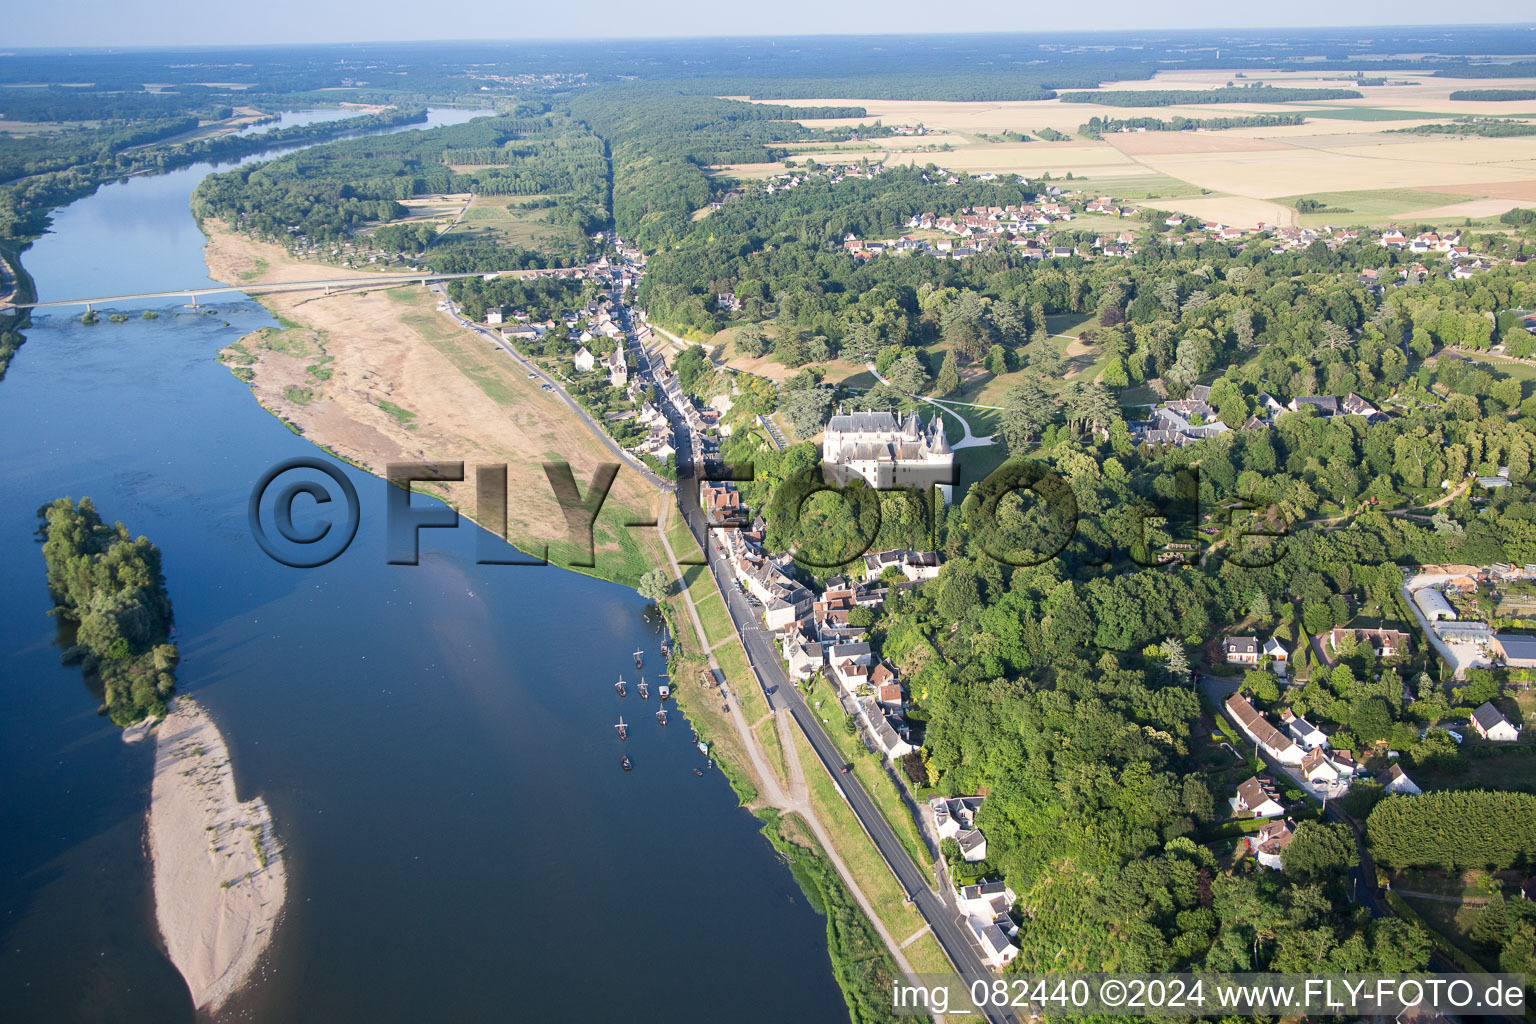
{"x": 1345, "y": 153}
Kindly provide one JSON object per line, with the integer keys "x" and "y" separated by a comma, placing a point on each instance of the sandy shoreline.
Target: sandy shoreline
{"x": 215, "y": 901}
{"x": 400, "y": 383}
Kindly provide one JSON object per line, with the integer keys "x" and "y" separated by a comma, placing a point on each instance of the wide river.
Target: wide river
{"x": 436, "y": 742}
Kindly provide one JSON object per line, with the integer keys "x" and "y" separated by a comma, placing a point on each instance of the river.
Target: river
{"x": 436, "y": 742}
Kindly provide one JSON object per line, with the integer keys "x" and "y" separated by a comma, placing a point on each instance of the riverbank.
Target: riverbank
{"x": 381, "y": 376}
{"x": 219, "y": 878}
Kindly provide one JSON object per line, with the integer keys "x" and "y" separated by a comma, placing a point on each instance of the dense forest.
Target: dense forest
{"x": 1487, "y": 129}
{"x": 109, "y": 589}
{"x": 1493, "y": 95}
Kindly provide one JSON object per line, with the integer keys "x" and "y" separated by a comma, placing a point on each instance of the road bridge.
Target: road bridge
{"x": 390, "y": 280}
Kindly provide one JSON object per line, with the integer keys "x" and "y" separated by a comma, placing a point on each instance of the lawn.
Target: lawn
{"x": 506, "y": 219}
{"x": 717, "y": 623}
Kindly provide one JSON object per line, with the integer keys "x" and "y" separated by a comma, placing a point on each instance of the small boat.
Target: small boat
{"x": 623, "y": 729}
{"x": 619, "y": 686}
{"x": 661, "y": 716}
{"x": 695, "y": 735}
{"x": 710, "y": 763}
{"x": 663, "y": 691}
{"x": 638, "y": 654}
{"x": 703, "y": 748}
{"x": 645, "y": 691}
{"x": 698, "y": 773}
{"x": 624, "y": 761}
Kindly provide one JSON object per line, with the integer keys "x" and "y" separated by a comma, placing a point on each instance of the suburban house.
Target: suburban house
{"x": 1257, "y": 798}
{"x": 996, "y": 950}
{"x": 584, "y": 360}
{"x": 618, "y": 367}
{"x": 1318, "y": 769}
{"x": 495, "y": 315}
{"x": 1241, "y": 650}
{"x": 955, "y": 818}
{"x": 1263, "y": 732}
{"x": 1302, "y": 731}
{"x": 1397, "y": 781}
{"x": 987, "y": 908}
{"x": 890, "y": 732}
{"x": 1278, "y": 656}
{"x": 1385, "y": 642}
{"x": 887, "y": 453}
{"x": 1491, "y": 725}
{"x": 1271, "y": 841}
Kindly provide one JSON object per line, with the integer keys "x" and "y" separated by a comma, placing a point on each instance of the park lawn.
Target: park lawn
{"x": 717, "y": 623}
{"x": 870, "y": 770}
{"x": 976, "y": 464}
{"x": 857, "y": 850}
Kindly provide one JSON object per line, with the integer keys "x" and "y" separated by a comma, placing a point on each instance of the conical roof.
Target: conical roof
{"x": 940, "y": 444}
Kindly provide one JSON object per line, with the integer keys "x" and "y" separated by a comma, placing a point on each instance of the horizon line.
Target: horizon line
{"x": 107, "y": 49}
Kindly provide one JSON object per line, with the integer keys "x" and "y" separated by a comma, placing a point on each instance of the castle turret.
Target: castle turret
{"x": 940, "y": 445}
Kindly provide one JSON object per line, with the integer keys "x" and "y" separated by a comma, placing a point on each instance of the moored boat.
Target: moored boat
{"x": 661, "y": 716}
{"x": 624, "y": 761}
{"x": 623, "y": 729}
{"x": 619, "y": 686}
{"x": 663, "y": 691}
{"x": 645, "y": 691}
{"x": 703, "y": 747}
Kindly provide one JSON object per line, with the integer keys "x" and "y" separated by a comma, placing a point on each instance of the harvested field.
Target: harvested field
{"x": 1157, "y": 143}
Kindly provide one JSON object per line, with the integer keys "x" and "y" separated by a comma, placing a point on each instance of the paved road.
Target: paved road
{"x": 495, "y": 338}
{"x": 763, "y": 656}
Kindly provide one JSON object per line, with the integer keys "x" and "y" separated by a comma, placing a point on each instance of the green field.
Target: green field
{"x": 1371, "y": 114}
{"x": 717, "y": 624}
{"x": 1380, "y": 202}
{"x": 505, "y": 218}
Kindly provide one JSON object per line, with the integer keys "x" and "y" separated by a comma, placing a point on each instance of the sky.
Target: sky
{"x": 199, "y": 22}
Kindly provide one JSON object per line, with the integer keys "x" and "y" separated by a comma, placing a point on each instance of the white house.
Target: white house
{"x": 1241, "y": 650}
{"x": 1302, "y": 731}
{"x": 996, "y": 951}
{"x": 1263, "y": 732}
{"x": 955, "y": 818}
{"x": 1271, "y": 842}
{"x": 584, "y": 360}
{"x": 1491, "y": 725}
{"x": 1397, "y": 781}
{"x": 1257, "y": 798}
{"x": 1278, "y": 656}
{"x": 1318, "y": 769}
{"x": 494, "y": 315}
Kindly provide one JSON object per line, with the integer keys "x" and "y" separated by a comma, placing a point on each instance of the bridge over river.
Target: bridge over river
{"x": 337, "y": 284}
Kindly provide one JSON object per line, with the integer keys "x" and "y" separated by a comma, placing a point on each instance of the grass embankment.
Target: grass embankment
{"x": 872, "y": 774}
{"x": 863, "y": 967}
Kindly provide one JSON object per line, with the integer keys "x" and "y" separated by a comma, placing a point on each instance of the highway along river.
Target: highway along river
{"x": 436, "y": 742}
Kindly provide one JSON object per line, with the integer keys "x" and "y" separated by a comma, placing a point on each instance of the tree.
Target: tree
{"x": 750, "y": 343}
{"x": 807, "y": 409}
{"x": 1492, "y": 922}
{"x": 948, "y": 380}
{"x": 997, "y": 360}
{"x": 1045, "y": 359}
{"x": 908, "y": 375}
{"x": 1178, "y": 662}
{"x": 1319, "y": 851}
{"x": 1028, "y": 411}
{"x": 654, "y": 585}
